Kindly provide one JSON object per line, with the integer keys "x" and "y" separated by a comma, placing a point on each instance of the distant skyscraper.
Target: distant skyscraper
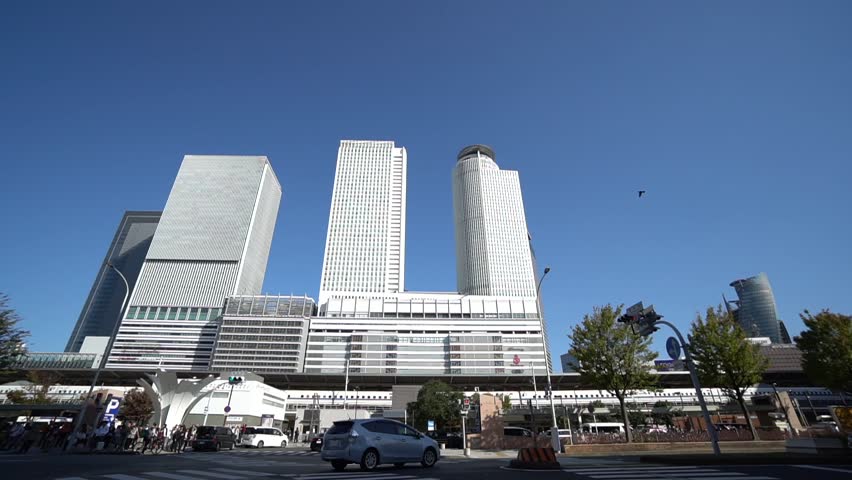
{"x": 127, "y": 252}
{"x": 212, "y": 243}
{"x": 365, "y": 245}
{"x": 493, "y": 255}
{"x": 785, "y": 335}
{"x": 755, "y": 310}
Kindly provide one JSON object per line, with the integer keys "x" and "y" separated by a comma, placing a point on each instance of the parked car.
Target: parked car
{"x": 214, "y": 438}
{"x": 564, "y": 434}
{"x": 316, "y": 443}
{"x": 263, "y": 437}
{"x": 372, "y": 442}
{"x": 517, "y": 432}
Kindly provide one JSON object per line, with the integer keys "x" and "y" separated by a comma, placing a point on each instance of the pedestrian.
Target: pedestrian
{"x": 121, "y": 441}
{"x": 131, "y": 437}
{"x": 100, "y": 436}
{"x": 81, "y": 436}
{"x": 29, "y": 437}
{"x": 146, "y": 438}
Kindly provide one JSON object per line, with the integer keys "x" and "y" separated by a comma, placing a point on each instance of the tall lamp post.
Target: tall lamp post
{"x": 104, "y": 357}
{"x": 554, "y": 429}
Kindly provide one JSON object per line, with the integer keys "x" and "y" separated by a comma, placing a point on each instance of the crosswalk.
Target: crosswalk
{"x": 234, "y": 474}
{"x": 651, "y": 472}
{"x": 258, "y": 453}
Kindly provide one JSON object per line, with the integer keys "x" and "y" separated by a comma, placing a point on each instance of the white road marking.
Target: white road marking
{"x": 243, "y": 472}
{"x": 824, "y": 468}
{"x": 172, "y": 476}
{"x": 211, "y": 474}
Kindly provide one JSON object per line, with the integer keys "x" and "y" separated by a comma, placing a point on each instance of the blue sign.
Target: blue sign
{"x": 673, "y": 348}
{"x": 112, "y": 409}
{"x": 430, "y": 425}
{"x": 227, "y": 408}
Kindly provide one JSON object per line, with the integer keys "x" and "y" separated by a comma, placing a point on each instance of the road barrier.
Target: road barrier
{"x": 536, "y": 459}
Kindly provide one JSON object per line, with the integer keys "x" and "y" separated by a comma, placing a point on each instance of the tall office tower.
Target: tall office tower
{"x": 493, "y": 255}
{"x": 365, "y": 244}
{"x": 127, "y": 252}
{"x": 755, "y": 310}
{"x": 212, "y": 243}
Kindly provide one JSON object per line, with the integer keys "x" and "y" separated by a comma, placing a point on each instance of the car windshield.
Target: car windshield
{"x": 252, "y": 431}
{"x": 205, "y": 432}
{"x": 340, "y": 428}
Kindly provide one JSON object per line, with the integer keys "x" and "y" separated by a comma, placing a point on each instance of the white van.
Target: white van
{"x": 602, "y": 427}
{"x": 263, "y": 437}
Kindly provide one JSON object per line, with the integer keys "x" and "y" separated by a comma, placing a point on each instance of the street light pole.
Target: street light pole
{"x": 105, "y": 355}
{"x": 554, "y": 429}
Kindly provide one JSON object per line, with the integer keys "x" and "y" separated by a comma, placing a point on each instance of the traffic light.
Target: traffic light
{"x": 233, "y": 380}
{"x": 641, "y": 320}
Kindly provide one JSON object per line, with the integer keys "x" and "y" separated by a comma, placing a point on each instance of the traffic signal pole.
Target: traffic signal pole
{"x": 714, "y": 437}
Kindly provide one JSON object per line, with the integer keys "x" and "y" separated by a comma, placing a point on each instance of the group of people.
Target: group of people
{"x": 20, "y": 437}
{"x": 127, "y": 436}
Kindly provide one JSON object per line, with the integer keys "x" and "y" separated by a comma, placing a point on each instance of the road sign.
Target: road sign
{"x": 673, "y": 348}
{"x": 516, "y": 360}
{"x": 227, "y": 408}
{"x": 466, "y": 403}
{"x": 430, "y": 425}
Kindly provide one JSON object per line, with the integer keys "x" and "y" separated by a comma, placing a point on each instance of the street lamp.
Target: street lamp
{"x": 554, "y": 429}
{"x": 106, "y": 353}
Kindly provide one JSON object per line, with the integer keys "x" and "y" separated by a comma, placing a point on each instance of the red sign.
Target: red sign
{"x": 516, "y": 360}
{"x": 466, "y": 402}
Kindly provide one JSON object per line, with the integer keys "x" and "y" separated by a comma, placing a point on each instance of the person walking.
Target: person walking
{"x": 146, "y": 438}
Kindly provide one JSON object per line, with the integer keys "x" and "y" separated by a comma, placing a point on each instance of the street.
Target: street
{"x": 299, "y": 464}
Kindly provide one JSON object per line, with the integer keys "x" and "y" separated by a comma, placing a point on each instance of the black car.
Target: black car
{"x": 214, "y": 438}
{"x": 316, "y": 443}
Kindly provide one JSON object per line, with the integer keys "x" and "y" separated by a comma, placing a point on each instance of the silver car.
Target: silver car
{"x": 372, "y": 442}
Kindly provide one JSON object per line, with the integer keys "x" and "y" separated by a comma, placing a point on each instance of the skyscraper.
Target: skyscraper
{"x": 212, "y": 243}
{"x": 493, "y": 255}
{"x": 755, "y": 310}
{"x": 365, "y": 244}
{"x": 127, "y": 252}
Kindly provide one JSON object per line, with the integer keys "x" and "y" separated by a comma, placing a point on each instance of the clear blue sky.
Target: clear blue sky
{"x": 736, "y": 117}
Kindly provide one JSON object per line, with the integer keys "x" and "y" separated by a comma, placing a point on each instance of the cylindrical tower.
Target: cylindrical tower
{"x": 756, "y": 312}
{"x": 493, "y": 255}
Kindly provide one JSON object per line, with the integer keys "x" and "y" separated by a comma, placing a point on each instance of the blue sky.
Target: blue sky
{"x": 736, "y": 117}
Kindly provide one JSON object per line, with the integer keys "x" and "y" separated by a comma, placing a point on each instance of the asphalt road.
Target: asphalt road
{"x": 298, "y": 464}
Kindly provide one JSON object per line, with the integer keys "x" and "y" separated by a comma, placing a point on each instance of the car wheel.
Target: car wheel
{"x": 260, "y": 444}
{"x": 399, "y": 464}
{"x": 284, "y": 444}
{"x": 370, "y": 460}
{"x": 429, "y": 458}
{"x": 338, "y": 465}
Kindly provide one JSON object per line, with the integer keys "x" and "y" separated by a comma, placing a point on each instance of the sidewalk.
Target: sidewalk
{"x": 774, "y": 458}
{"x": 478, "y": 454}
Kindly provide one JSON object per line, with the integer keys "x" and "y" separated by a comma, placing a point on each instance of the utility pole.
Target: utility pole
{"x": 233, "y": 381}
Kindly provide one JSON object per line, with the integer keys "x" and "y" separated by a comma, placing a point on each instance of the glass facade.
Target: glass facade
{"x": 755, "y": 310}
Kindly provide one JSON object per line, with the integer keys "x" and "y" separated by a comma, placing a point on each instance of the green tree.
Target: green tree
{"x": 11, "y": 337}
{"x": 724, "y": 358}
{"x": 136, "y": 407}
{"x": 826, "y": 348}
{"x": 507, "y": 402}
{"x": 609, "y": 356}
{"x": 36, "y": 392}
{"x": 439, "y": 402}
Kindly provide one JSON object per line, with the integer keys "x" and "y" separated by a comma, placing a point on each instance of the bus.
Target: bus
{"x": 602, "y": 427}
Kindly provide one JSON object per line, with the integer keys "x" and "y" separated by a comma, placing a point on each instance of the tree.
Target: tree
{"x": 11, "y": 337}
{"x": 609, "y": 356}
{"x": 724, "y": 358}
{"x": 439, "y": 402}
{"x": 36, "y": 392}
{"x": 826, "y": 348}
{"x": 507, "y": 402}
{"x": 136, "y": 407}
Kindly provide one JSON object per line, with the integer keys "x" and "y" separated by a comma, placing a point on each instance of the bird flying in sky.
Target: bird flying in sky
{"x": 641, "y": 192}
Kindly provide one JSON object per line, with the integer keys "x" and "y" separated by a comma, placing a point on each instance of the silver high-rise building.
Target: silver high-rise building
{"x": 755, "y": 310}
{"x": 127, "y": 251}
{"x": 365, "y": 244}
{"x": 212, "y": 243}
{"x": 493, "y": 255}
